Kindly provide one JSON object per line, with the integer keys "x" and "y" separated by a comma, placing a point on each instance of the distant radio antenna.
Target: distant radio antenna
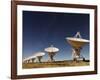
{"x": 31, "y": 59}
{"x": 51, "y": 52}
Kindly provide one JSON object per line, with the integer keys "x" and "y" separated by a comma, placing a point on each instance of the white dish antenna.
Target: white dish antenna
{"x": 77, "y": 42}
{"x": 37, "y": 55}
{"x": 28, "y": 58}
{"x": 51, "y": 49}
{"x": 51, "y": 52}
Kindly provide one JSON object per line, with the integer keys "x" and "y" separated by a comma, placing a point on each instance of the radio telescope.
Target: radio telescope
{"x": 39, "y": 55}
{"x": 51, "y": 52}
{"x": 31, "y": 59}
{"x": 77, "y": 42}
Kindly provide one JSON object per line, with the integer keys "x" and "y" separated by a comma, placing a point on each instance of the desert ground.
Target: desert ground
{"x": 67, "y": 63}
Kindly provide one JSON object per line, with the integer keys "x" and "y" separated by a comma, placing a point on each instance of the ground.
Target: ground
{"x": 66, "y": 63}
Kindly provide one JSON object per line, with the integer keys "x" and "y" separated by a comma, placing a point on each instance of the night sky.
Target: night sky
{"x": 42, "y": 29}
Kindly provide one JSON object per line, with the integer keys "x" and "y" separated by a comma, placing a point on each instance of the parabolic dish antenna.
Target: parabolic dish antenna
{"x": 77, "y": 42}
{"x": 29, "y": 59}
{"x": 37, "y": 55}
{"x": 51, "y": 51}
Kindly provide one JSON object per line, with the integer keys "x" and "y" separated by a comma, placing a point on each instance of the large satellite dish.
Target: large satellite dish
{"x": 51, "y": 52}
{"x": 39, "y": 55}
{"x": 77, "y": 42}
{"x": 51, "y": 49}
{"x": 29, "y": 59}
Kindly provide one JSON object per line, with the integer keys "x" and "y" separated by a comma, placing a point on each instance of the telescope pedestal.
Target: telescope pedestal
{"x": 39, "y": 58}
{"x": 76, "y": 53}
{"x": 51, "y": 57}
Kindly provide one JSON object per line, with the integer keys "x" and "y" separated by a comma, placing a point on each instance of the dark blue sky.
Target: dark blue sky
{"x": 42, "y": 29}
